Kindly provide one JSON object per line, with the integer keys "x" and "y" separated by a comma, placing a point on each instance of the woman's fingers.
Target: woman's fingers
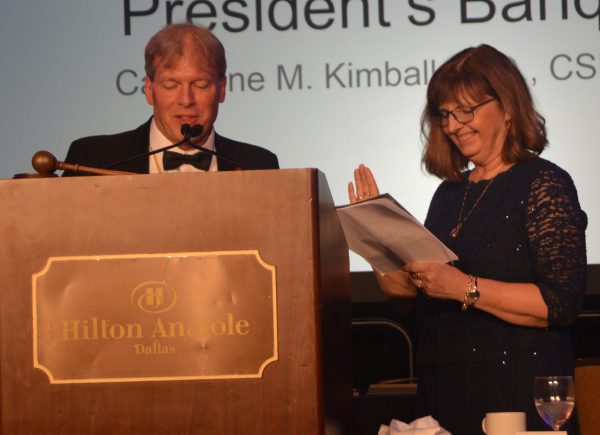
{"x": 364, "y": 180}
{"x": 351, "y": 194}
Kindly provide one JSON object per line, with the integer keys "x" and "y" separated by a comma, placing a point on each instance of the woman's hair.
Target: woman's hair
{"x": 476, "y": 73}
{"x": 167, "y": 46}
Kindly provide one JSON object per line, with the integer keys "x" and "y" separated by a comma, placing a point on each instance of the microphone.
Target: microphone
{"x": 190, "y": 131}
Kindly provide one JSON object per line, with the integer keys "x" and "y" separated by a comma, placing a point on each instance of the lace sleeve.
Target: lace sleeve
{"x": 556, "y": 230}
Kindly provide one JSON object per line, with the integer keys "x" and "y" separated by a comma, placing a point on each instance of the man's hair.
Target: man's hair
{"x": 478, "y": 73}
{"x": 167, "y": 46}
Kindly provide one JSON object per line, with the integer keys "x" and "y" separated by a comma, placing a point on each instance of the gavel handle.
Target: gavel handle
{"x": 90, "y": 170}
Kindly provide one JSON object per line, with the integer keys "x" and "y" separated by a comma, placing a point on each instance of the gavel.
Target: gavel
{"x": 46, "y": 164}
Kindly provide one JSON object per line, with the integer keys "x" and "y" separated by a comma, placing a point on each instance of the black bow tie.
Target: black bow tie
{"x": 199, "y": 160}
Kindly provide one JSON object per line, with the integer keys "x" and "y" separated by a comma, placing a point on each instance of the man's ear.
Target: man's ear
{"x": 222, "y": 89}
{"x": 148, "y": 90}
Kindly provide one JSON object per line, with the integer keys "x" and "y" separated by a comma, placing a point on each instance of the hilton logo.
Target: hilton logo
{"x": 154, "y": 297}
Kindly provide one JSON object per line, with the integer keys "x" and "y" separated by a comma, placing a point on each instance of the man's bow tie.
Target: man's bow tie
{"x": 200, "y": 160}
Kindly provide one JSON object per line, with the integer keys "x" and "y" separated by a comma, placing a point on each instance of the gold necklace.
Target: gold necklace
{"x": 461, "y": 221}
{"x": 158, "y": 169}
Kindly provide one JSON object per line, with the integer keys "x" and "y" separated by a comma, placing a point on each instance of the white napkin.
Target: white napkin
{"x": 421, "y": 426}
{"x": 541, "y": 432}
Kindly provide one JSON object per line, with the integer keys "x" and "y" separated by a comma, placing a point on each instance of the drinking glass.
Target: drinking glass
{"x": 554, "y": 398}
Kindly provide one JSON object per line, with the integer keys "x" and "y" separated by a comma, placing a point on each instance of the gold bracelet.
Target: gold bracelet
{"x": 466, "y": 304}
{"x": 471, "y": 294}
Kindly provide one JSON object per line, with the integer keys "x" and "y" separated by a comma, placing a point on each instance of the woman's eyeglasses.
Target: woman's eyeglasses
{"x": 464, "y": 115}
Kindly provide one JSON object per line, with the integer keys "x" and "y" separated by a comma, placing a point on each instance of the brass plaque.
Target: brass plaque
{"x": 177, "y": 316}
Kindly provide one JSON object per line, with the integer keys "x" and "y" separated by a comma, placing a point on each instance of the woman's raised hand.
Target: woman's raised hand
{"x": 366, "y": 187}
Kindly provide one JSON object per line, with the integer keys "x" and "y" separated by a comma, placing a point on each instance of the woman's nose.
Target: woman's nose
{"x": 453, "y": 124}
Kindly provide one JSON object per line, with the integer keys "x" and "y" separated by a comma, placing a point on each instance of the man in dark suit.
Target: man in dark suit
{"x": 185, "y": 83}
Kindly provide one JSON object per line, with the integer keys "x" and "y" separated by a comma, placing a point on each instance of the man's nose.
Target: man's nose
{"x": 186, "y": 96}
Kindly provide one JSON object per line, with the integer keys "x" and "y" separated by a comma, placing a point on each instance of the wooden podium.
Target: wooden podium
{"x": 287, "y": 215}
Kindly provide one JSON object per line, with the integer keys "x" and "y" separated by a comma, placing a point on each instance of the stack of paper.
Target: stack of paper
{"x": 387, "y": 236}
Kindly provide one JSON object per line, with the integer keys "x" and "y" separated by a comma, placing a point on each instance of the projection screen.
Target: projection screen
{"x": 323, "y": 83}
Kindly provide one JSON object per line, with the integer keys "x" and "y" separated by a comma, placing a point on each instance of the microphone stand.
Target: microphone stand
{"x": 188, "y": 133}
{"x": 195, "y": 130}
{"x": 219, "y": 155}
{"x": 186, "y": 140}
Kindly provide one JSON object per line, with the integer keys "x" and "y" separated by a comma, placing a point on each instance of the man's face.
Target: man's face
{"x": 186, "y": 92}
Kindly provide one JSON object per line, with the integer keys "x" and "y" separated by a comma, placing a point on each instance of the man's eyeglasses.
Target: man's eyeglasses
{"x": 464, "y": 115}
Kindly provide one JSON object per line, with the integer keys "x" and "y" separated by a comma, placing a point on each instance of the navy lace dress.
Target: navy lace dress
{"x": 528, "y": 227}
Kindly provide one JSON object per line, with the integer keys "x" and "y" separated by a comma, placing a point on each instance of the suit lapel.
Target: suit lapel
{"x": 221, "y": 148}
{"x": 142, "y": 145}
{"x": 133, "y": 143}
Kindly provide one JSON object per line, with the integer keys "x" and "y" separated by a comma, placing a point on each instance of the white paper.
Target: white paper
{"x": 542, "y": 432}
{"x": 421, "y": 426}
{"x": 387, "y": 236}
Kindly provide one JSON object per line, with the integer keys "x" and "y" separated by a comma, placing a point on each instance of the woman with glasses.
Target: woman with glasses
{"x": 499, "y": 316}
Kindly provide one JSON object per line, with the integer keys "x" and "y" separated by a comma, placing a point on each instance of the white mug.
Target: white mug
{"x": 503, "y": 423}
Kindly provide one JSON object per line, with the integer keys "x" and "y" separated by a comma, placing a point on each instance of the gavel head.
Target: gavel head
{"x": 44, "y": 163}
